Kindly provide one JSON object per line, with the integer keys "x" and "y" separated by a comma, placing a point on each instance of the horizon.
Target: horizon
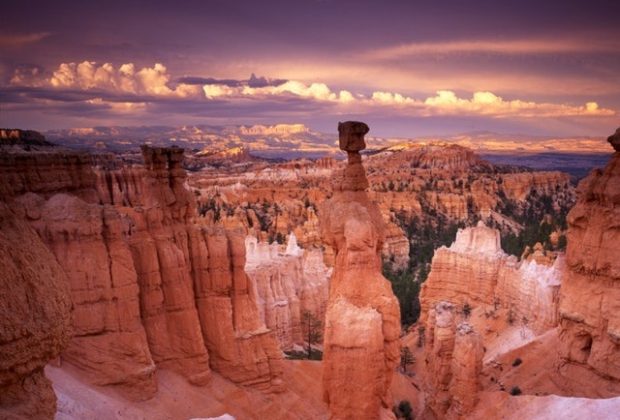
{"x": 407, "y": 70}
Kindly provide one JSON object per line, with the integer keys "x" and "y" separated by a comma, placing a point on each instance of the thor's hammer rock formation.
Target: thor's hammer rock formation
{"x": 362, "y": 321}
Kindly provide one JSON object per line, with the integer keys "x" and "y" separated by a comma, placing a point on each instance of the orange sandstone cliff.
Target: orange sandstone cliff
{"x": 362, "y": 329}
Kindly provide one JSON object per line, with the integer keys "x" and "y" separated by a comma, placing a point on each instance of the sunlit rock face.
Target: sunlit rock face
{"x": 475, "y": 271}
{"x": 590, "y": 295}
{"x": 35, "y": 319}
{"x": 287, "y": 284}
{"x": 148, "y": 287}
{"x": 363, "y": 317}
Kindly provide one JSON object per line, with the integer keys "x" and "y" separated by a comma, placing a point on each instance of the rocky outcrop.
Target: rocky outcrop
{"x": 467, "y": 271}
{"x": 590, "y": 295}
{"x": 288, "y": 283}
{"x": 396, "y": 246}
{"x": 475, "y": 271}
{"x": 35, "y": 314}
{"x": 149, "y": 287}
{"x": 13, "y": 136}
{"x": 361, "y": 345}
{"x": 518, "y": 185}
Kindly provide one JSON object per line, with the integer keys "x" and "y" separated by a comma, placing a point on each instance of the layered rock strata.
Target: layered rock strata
{"x": 590, "y": 295}
{"x": 363, "y": 318}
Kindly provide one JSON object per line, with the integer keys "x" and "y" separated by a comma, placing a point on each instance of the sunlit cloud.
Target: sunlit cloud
{"x": 90, "y": 75}
{"x": 118, "y": 107}
{"x": 504, "y": 47}
{"x": 446, "y": 102}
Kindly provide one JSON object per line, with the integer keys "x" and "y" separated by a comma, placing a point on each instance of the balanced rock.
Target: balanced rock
{"x": 363, "y": 316}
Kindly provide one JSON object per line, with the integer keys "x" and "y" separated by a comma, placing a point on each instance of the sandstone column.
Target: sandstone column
{"x": 362, "y": 324}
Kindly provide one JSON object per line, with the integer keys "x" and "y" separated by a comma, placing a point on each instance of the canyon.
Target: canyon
{"x": 142, "y": 289}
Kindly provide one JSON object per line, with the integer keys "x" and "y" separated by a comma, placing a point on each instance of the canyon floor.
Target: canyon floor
{"x": 177, "y": 399}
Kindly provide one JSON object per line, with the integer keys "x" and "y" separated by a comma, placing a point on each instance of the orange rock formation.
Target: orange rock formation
{"x": 148, "y": 286}
{"x": 475, "y": 271}
{"x": 363, "y": 317}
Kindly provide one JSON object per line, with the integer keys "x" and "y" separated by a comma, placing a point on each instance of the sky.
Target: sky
{"x": 407, "y": 68}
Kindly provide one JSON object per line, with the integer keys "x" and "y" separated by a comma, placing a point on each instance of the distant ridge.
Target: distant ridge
{"x": 18, "y": 137}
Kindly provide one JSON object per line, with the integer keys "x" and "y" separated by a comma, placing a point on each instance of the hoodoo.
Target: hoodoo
{"x": 363, "y": 316}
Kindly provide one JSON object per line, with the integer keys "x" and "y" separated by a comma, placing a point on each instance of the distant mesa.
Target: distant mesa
{"x": 614, "y": 139}
{"x": 276, "y": 129}
{"x": 15, "y": 136}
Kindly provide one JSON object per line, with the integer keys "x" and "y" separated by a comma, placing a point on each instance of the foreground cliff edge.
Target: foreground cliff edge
{"x": 362, "y": 346}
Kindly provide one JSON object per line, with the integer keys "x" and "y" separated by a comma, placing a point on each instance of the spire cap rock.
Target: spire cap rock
{"x": 351, "y": 135}
{"x": 614, "y": 140}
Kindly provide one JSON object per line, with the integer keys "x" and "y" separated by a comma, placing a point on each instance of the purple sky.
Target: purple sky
{"x": 408, "y": 68}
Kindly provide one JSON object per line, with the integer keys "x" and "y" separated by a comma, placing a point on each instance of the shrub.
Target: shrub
{"x": 403, "y": 410}
{"x": 515, "y": 390}
{"x": 517, "y": 362}
{"x": 466, "y": 310}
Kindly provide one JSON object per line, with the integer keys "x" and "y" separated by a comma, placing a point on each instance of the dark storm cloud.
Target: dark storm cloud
{"x": 25, "y": 94}
{"x": 259, "y": 82}
{"x": 193, "y": 80}
{"x": 253, "y": 81}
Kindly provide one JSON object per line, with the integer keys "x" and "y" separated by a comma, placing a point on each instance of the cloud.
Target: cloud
{"x": 388, "y": 98}
{"x": 290, "y": 88}
{"x": 502, "y": 47}
{"x": 129, "y": 89}
{"x": 19, "y": 40}
{"x": 28, "y": 75}
{"x": 90, "y": 75}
